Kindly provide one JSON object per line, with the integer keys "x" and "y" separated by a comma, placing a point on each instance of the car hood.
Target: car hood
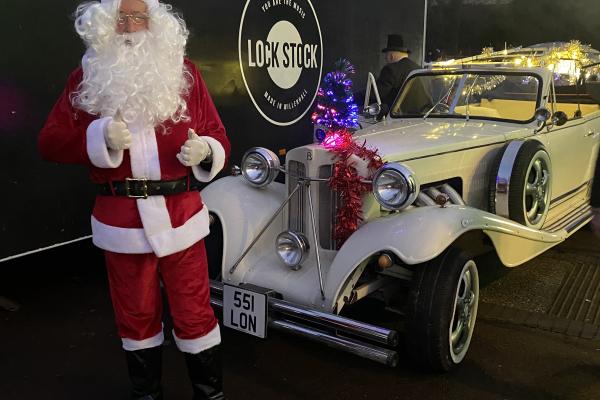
{"x": 398, "y": 140}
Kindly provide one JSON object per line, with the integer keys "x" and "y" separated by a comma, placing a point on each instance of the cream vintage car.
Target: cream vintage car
{"x": 494, "y": 153}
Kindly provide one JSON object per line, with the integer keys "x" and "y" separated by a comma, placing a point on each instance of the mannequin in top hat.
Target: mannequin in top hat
{"x": 396, "y": 70}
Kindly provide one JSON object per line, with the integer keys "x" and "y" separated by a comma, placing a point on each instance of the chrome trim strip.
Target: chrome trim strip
{"x": 572, "y": 220}
{"x": 316, "y": 239}
{"x": 584, "y": 219}
{"x": 503, "y": 178}
{"x": 564, "y": 220}
{"x": 453, "y": 151}
{"x": 570, "y": 192}
{"x": 232, "y": 269}
{"x": 341, "y": 324}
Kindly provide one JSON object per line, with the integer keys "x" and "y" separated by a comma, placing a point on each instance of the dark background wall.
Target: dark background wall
{"x": 44, "y": 204}
{"x": 463, "y": 27}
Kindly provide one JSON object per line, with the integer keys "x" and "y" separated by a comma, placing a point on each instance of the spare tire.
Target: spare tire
{"x": 520, "y": 183}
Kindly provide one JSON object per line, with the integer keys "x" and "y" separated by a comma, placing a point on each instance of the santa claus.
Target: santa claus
{"x": 138, "y": 114}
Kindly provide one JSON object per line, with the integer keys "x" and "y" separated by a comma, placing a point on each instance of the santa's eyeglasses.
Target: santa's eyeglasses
{"x": 136, "y": 18}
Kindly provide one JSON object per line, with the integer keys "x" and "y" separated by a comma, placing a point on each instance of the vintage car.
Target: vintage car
{"x": 493, "y": 154}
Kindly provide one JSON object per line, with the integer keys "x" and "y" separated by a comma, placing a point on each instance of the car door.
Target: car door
{"x": 573, "y": 147}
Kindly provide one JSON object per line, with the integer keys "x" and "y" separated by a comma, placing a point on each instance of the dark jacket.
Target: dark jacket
{"x": 392, "y": 77}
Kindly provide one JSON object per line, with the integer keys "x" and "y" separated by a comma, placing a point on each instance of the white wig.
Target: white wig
{"x": 141, "y": 75}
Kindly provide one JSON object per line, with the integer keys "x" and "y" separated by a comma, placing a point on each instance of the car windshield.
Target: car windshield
{"x": 479, "y": 95}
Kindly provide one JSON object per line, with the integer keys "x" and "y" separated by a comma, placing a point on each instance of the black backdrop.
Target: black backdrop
{"x": 43, "y": 204}
{"x": 463, "y": 27}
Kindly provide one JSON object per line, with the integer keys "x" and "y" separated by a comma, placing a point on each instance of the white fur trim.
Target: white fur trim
{"x": 163, "y": 241}
{"x": 150, "y": 3}
{"x": 195, "y": 346}
{"x": 172, "y": 240}
{"x": 133, "y": 345}
{"x": 100, "y": 155}
{"x": 158, "y": 234}
{"x": 154, "y": 214}
{"x": 119, "y": 240}
{"x": 145, "y": 162}
{"x": 218, "y": 161}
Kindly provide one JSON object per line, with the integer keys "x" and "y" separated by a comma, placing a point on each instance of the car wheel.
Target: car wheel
{"x": 442, "y": 310}
{"x": 520, "y": 183}
{"x": 214, "y": 248}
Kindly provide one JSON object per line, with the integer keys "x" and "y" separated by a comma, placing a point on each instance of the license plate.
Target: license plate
{"x": 245, "y": 310}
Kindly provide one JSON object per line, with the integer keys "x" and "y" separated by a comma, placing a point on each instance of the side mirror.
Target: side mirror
{"x": 377, "y": 111}
{"x": 559, "y": 118}
{"x": 542, "y": 115}
{"x": 373, "y": 110}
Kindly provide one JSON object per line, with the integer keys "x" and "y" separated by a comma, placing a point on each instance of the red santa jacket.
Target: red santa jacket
{"x": 160, "y": 224}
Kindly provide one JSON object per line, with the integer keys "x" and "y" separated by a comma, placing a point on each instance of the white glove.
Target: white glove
{"x": 117, "y": 135}
{"x": 194, "y": 150}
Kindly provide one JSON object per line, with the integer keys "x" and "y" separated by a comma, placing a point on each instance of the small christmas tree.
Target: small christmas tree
{"x": 336, "y": 108}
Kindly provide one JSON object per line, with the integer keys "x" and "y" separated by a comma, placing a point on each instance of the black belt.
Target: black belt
{"x": 141, "y": 188}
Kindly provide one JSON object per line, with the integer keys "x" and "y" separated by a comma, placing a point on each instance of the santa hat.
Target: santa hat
{"x": 152, "y": 4}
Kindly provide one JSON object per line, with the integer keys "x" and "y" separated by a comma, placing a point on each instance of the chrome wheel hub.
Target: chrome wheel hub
{"x": 465, "y": 311}
{"x": 535, "y": 197}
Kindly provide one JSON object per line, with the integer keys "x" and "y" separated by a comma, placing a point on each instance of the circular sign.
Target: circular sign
{"x": 281, "y": 57}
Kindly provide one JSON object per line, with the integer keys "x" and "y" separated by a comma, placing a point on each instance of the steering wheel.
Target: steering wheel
{"x": 439, "y": 108}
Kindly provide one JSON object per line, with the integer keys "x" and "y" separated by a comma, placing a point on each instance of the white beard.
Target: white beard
{"x": 140, "y": 75}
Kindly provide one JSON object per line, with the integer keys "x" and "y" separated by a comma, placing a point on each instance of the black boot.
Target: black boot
{"x": 206, "y": 374}
{"x": 145, "y": 371}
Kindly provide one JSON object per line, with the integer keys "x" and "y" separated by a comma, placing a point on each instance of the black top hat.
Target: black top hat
{"x": 395, "y": 43}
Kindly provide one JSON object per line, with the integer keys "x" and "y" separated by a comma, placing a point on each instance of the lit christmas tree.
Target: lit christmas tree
{"x": 336, "y": 108}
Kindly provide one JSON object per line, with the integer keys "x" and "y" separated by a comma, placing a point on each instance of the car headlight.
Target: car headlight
{"x": 395, "y": 186}
{"x": 292, "y": 248}
{"x": 260, "y": 166}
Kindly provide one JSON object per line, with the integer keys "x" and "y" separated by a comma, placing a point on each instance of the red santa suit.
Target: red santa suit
{"x": 145, "y": 237}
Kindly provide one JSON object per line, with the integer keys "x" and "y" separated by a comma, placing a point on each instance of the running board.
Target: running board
{"x": 359, "y": 338}
{"x": 573, "y": 220}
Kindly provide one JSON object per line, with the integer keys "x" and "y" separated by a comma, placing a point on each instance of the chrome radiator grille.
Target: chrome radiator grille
{"x": 297, "y": 214}
{"x": 328, "y": 201}
{"x": 324, "y": 199}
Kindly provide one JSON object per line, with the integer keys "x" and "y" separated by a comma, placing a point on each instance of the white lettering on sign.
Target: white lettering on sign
{"x": 281, "y": 57}
{"x": 283, "y": 54}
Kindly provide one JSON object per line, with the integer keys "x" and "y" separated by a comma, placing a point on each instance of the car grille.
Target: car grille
{"x": 324, "y": 200}
{"x": 328, "y": 201}
{"x": 296, "y": 215}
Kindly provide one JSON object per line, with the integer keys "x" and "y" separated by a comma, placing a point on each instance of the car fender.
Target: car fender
{"x": 243, "y": 211}
{"x": 421, "y": 234}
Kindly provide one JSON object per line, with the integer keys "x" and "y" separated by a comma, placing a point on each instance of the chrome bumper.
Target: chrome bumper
{"x": 345, "y": 334}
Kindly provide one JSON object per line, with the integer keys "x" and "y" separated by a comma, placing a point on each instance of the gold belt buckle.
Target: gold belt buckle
{"x": 144, "y": 194}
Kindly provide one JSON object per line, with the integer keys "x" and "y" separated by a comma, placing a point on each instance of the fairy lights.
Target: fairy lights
{"x": 567, "y": 60}
{"x": 335, "y": 107}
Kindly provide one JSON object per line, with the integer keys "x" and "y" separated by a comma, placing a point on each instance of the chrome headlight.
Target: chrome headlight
{"x": 292, "y": 248}
{"x": 260, "y": 166}
{"x": 395, "y": 186}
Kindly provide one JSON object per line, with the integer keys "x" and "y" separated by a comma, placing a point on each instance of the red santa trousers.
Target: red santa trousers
{"x": 134, "y": 281}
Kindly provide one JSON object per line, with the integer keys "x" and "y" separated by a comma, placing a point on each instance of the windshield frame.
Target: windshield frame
{"x": 471, "y": 72}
